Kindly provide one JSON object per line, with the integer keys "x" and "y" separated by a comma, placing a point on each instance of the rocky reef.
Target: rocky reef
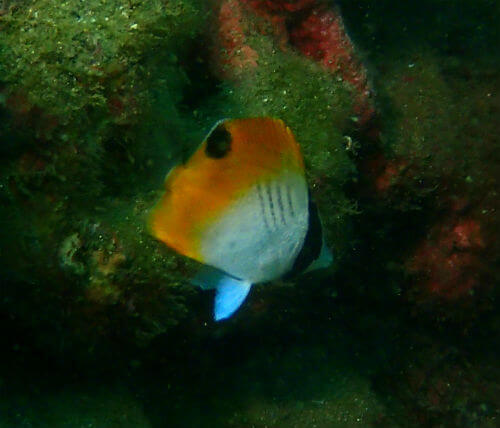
{"x": 396, "y": 110}
{"x": 98, "y": 103}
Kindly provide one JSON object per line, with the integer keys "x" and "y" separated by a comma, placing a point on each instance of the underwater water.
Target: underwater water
{"x": 395, "y": 106}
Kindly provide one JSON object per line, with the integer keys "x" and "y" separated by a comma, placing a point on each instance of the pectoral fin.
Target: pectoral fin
{"x": 230, "y": 294}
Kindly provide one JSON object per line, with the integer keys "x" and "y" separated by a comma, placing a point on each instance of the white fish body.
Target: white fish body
{"x": 260, "y": 236}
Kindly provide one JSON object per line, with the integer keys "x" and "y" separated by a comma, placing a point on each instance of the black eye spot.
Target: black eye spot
{"x": 218, "y": 142}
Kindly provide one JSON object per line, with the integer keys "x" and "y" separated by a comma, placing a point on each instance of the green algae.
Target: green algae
{"x": 78, "y": 77}
{"x": 75, "y": 175}
{"x": 435, "y": 65}
{"x": 428, "y": 120}
{"x": 70, "y": 55}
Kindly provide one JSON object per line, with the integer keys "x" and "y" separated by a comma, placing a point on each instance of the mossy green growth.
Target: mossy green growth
{"x": 438, "y": 121}
{"x": 131, "y": 272}
{"x": 75, "y": 186}
{"x": 423, "y": 109}
{"x": 112, "y": 278}
{"x": 317, "y": 106}
{"x": 78, "y": 80}
{"x": 70, "y": 55}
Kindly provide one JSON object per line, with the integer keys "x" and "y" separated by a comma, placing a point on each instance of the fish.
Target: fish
{"x": 241, "y": 206}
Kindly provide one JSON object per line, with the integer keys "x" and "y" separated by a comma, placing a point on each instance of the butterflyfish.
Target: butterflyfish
{"x": 241, "y": 206}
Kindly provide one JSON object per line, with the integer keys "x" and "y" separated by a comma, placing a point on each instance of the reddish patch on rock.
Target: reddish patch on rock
{"x": 322, "y": 37}
{"x": 18, "y": 103}
{"x": 30, "y": 163}
{"x": 447, "y": 262}
{"x": 382, "y": 173}
{"x": 280, "y": 5}
{"x": 233, "y": 55}
{"x": 26, "y": 115}
{"x": 390, "y": 174}
{"x": 122, "y": 107}
{"x": 467, "y": 235}
{"x": 116, "y": 106}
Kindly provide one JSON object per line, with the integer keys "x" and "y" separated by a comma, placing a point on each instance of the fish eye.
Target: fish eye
{"x": 218, "y": 142}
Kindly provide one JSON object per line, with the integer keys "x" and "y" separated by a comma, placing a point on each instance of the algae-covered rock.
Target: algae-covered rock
{"x": 81, "y": 85}
{"x": 98, "y": 101}
{"x": 439, "y": 137}
{"x": 92, "y": 97}
{"x": 431, "y": 173}
{"x": 95, "y": 55}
